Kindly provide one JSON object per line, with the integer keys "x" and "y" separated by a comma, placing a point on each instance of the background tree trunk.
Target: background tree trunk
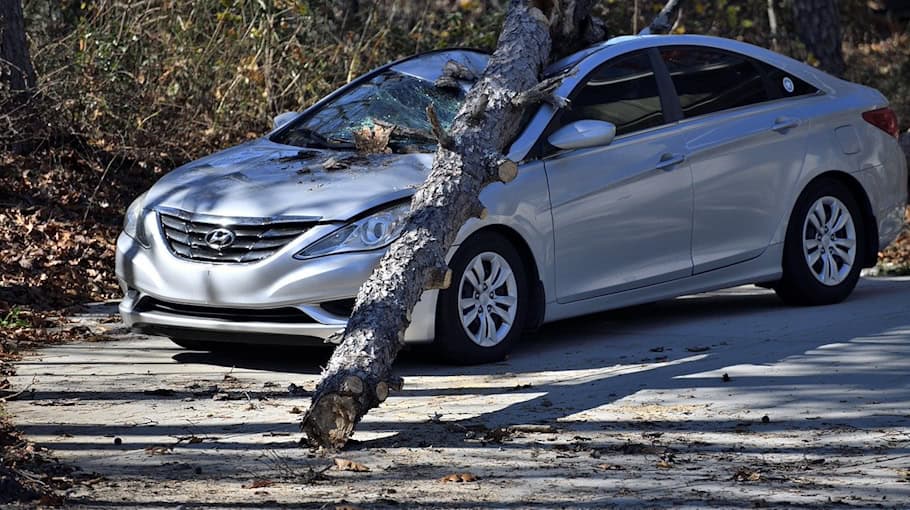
{"x": 818, "y": 26}
{"x": 15, "y": 63}
{"x": 358, "y": 376}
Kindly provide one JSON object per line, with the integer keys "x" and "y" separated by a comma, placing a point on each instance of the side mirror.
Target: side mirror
{"x": 283, "y": 119}
{"x": 583, "y": 133}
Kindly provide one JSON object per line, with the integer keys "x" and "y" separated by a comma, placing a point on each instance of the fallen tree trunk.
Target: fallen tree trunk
{"x": 358, "y": 376}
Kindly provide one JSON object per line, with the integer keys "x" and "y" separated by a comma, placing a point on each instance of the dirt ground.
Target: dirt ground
{"x": 726, "y": 400}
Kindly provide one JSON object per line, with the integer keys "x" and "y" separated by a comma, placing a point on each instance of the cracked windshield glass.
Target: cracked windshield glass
{"x": 390, "y": 100}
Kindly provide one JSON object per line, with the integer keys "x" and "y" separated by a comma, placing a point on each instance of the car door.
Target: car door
{"x": 745, "y": 145}
{"x": 621, "y": 212}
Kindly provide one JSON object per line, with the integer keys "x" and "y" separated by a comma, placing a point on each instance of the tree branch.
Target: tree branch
{"x": 662, "y": 23}
{"x": 445, "y": 141}
{"x": 543, "y": 92}
{"x": 452, "y": 73}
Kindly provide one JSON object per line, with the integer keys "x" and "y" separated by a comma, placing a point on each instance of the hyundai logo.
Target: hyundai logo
{"x": 220, "y": 238}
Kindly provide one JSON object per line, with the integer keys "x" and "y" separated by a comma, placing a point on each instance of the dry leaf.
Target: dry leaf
{"x": 373, "y": 140}
{"x": 158, "y": 450}
{"x": 459, "y": 478}
{"x": 349, "y": 465}
{"x": 746, "y": 475}
{"x": 258, "y": 484}
{"x": 662, "y": 464}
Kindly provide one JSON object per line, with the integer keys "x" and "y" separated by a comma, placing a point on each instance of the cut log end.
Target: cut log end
{"x": 352, "y": 385}
{"x": 382, "y": 391}
{"x": 508, "y": 171}
{"x": 330, "y": 422}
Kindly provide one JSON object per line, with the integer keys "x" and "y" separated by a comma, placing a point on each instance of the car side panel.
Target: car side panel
{"x": 739, "y": 164}
{"x": 523, "y": 206}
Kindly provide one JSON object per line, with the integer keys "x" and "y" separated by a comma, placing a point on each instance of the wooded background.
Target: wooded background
{"x": 124, "y": 91}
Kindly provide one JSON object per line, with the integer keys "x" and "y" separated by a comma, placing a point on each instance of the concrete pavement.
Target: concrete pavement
{"x": 630, "y": 408}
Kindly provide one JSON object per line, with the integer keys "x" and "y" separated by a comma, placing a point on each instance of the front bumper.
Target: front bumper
{"x": 183, "y": 292}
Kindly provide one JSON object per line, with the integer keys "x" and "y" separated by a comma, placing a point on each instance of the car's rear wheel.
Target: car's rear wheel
{"x": 824, "y": 246}
{"x": 480, "y": 316}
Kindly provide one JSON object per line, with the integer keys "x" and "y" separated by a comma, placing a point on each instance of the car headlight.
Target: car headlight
{"x": 374, "y": 231}
{"x": 133, "y": 224}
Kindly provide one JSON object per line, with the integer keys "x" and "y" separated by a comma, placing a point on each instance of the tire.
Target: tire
{"x": 806, "y": 280}
{"x": 468, "y": 344}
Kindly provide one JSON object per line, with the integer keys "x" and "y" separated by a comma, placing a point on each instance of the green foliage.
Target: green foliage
{"x": 14, "y": 319}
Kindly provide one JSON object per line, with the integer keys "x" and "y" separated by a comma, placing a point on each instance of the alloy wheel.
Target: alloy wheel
{"x": 829, "y": 241}
{"x": 488, "y": 299}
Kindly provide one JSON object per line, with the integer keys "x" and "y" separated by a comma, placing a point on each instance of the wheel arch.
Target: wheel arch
{"x": 536, "y": 311}
{"x": 870, "y": 254}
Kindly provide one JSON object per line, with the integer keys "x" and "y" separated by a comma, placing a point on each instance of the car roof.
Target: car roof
{"x": 627, "y": 43}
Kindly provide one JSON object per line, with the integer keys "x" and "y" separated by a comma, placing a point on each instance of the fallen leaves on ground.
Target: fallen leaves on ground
{"x": 746, "y": 475}
{"x": 158, "y": 450}
{"x": 257, "y": 484}
{"x": 349, "y": 465}
{"x": 459, "y": 478}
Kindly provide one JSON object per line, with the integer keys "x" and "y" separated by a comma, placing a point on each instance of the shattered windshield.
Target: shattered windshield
{"x": 390, "y": 100}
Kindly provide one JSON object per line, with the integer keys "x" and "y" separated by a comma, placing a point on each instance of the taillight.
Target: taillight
{"x": 884, "y": 119}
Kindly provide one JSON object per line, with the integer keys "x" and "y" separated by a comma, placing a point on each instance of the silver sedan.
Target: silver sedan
{"x": 683, "y": 164}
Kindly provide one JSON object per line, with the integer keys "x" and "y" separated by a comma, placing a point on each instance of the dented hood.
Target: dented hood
{"x": 264, "y": 179}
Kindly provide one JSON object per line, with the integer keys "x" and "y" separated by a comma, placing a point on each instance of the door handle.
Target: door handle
{"x": 668, "y": 161}
{"x": 783, "y": 124}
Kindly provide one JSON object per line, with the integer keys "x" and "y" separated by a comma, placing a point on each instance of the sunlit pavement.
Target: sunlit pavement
{"x": 631, "y": 408}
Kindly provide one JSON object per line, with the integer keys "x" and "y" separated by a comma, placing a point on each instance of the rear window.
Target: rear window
{"x": 784, "y": 84}
{"x": 708, "y": 80}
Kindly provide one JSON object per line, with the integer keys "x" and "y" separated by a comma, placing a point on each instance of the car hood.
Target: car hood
{"x": 264, "y": 179}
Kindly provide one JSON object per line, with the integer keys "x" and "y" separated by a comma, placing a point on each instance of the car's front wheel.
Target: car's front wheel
{"x": 824, "y": 246}
{"x": 480, "y": 316}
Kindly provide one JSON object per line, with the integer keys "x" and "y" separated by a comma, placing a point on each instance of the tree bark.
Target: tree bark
{"x": 15, "y": 63}
{"x": 358, "y": 376}
{"x": 818, "y": 27}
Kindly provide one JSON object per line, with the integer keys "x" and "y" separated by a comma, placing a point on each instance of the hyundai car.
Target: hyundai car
{"x": 679, "y": 164}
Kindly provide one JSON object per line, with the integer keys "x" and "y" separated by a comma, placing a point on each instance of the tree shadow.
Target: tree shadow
{"x": 616, "y": 385}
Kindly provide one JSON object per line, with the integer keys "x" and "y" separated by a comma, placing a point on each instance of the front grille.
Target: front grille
{"x": 276, "y": 315}
{"x": 254, "y": 239}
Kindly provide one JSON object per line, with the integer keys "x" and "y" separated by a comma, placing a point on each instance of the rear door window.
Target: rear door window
{"x": 709, "y": 80}
{"x": 623, "y": 91}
